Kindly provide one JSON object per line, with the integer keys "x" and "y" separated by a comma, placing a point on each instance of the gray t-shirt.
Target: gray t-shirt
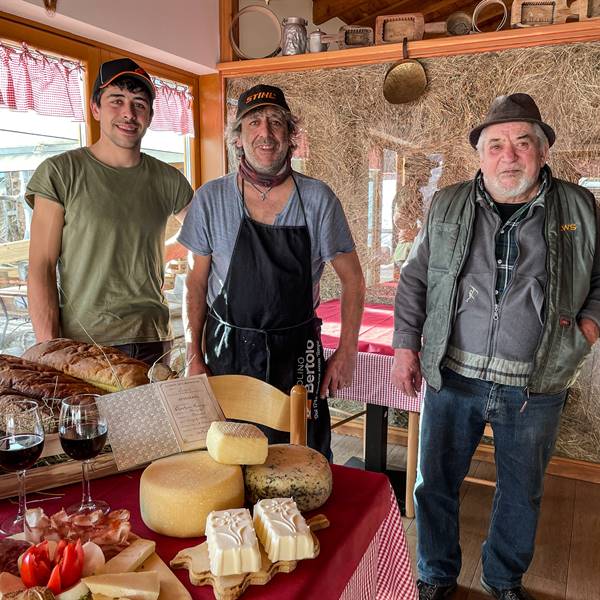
{"x": 215, "y": 214}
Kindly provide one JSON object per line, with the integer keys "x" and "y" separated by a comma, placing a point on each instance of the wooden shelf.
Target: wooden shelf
{"x": 585, "y": 31}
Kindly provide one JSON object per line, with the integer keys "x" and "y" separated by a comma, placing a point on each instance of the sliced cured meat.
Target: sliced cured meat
{"x": 10, "y": 550}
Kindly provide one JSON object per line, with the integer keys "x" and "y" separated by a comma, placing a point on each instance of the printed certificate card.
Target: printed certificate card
{"x": 159, "y": 419}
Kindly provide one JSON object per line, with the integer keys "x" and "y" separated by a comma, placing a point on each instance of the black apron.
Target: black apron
{"x": 263, "y": 322}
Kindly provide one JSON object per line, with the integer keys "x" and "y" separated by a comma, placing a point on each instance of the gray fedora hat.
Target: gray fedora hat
{"x": 515, "y": 107}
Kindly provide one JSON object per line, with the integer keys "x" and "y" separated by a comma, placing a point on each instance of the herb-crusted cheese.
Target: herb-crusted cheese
{"x": 178, "y": 492}
{"x": 290, "y": 471}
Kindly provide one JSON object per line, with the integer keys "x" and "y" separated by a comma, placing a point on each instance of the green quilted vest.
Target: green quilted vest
{"x": 570, "y": 232}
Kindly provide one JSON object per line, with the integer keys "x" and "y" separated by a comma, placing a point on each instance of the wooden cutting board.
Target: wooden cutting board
{"x": 230, "y": 587}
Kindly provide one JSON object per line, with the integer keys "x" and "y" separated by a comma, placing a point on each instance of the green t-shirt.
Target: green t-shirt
{"x": 110, "y": 270}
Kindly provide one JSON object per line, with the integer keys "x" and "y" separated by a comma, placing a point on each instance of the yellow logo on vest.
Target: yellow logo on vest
{"x": 568, "y": 227}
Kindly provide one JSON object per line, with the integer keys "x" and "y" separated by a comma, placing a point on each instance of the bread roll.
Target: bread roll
{"x": 37, "y": 381}
{"x": 101, "y": 366}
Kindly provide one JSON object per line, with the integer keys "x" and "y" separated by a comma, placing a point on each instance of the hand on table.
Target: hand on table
{"x": 589, "y": 329}
{"x": 338, "y": 372}
{"x": 406, "y": 371}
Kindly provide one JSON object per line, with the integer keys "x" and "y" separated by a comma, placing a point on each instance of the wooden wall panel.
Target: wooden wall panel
{"x": 211, "y": 106}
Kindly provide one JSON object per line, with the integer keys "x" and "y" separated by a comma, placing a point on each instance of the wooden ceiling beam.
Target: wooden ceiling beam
{"x": 433, "y": 11}
{"x": 364, "y": 12}
{"x": 323, "y": 10}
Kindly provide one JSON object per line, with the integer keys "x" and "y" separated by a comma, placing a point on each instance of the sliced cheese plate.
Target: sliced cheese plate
{"x": 230, "y": 587}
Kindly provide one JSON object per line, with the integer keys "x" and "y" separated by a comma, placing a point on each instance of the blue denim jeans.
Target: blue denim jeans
{"x": 452, "y": 422}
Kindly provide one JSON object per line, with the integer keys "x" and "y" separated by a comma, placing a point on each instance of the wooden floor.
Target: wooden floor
{"x": 566, "y": 565}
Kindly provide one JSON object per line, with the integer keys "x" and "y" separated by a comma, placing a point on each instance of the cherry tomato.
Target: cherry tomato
{"x": 54, "y": 583}
{"x": 35, "y": 567}
{"x": 60, "y": 548}
{"x": 70, "y": 566}
{"x": 59, "y": 574}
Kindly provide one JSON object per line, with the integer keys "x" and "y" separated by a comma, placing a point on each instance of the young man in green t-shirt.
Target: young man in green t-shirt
{"x": 99, "y": 218}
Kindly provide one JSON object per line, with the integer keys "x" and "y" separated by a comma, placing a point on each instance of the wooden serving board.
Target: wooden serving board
{"x": 230, "y": 587}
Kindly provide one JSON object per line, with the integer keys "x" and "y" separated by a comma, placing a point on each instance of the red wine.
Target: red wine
{"x": 84, "y": 441}
{"x": 20, "y": 451}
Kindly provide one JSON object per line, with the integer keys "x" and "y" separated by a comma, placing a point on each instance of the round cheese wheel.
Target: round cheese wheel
{"x": 290, "y": 471}
{"x": 178, "y": 492}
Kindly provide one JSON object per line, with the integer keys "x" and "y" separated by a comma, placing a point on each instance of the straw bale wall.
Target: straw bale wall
{"x": 347, "y": 123}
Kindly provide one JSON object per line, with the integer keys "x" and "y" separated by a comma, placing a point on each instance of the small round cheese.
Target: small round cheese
{"x": 296, "y": 472}
{"x": 178, "y": 492}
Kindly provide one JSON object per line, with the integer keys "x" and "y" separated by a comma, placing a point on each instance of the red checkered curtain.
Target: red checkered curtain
{"x": 172, "y": 108}
{"x": 31, "y": 80}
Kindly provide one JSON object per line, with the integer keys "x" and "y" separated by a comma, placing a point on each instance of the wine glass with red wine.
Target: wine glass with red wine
{"x": 82, "y": 432}
{"x": 21, "y": 444}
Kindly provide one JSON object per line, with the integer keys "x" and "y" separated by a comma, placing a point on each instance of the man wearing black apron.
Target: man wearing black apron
{"x": 259, "y": 319}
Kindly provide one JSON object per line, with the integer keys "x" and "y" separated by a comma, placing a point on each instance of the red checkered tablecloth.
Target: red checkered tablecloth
{"x": 372, "y": 383}
{"x": 384, "y": 573}
{"x": 363, "y": 545}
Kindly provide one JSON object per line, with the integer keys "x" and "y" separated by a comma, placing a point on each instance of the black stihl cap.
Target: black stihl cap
{"x": 260, "y": 95}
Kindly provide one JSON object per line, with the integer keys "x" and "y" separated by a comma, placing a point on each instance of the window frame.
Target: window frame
{"x": 91, "y": 54}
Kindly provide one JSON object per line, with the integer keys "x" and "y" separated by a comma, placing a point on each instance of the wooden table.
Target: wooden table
{"x": 372, "y": 386}
{"x": 363, "y": 551}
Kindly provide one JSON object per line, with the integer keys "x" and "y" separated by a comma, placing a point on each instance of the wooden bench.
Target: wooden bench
{"x": 11, "y": 254}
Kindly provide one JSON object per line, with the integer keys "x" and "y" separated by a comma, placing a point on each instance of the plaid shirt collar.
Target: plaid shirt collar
{"x": 506, "y": 244}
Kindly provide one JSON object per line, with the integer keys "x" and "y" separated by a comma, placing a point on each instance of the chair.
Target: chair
{"x": 249, "y": 399}
{"x": 487, "y": 432}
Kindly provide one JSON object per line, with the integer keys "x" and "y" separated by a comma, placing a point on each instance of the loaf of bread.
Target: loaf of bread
{"x": 37, "y": 381}
{"x": 101, "y": 366}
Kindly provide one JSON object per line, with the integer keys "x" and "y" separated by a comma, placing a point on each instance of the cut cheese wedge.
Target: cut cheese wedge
{"x": 236, "y": 443}
{"x": 135, "y": 586}
{"x": 77, "y": 592}
{"x": 170, "y": 587}
{"x": 130, "y": 558}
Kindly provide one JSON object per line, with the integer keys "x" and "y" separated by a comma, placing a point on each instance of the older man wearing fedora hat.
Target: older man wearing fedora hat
{"x": 497, "y": 306}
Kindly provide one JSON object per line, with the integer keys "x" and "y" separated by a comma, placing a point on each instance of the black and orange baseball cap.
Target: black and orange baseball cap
{"x": 112, "y": 69}
{"x": 260, "y": 95}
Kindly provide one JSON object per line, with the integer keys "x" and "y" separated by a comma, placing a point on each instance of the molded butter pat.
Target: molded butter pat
{"x": 237, "y": 443}
{"x": 135, "y": 586}
{"x": 178, "y": 492}
{"x": 232, "y": 543}
{"x": 130, "y": 558}
{"x": 170, "y": 587}
{"x": 282, "y": 530}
